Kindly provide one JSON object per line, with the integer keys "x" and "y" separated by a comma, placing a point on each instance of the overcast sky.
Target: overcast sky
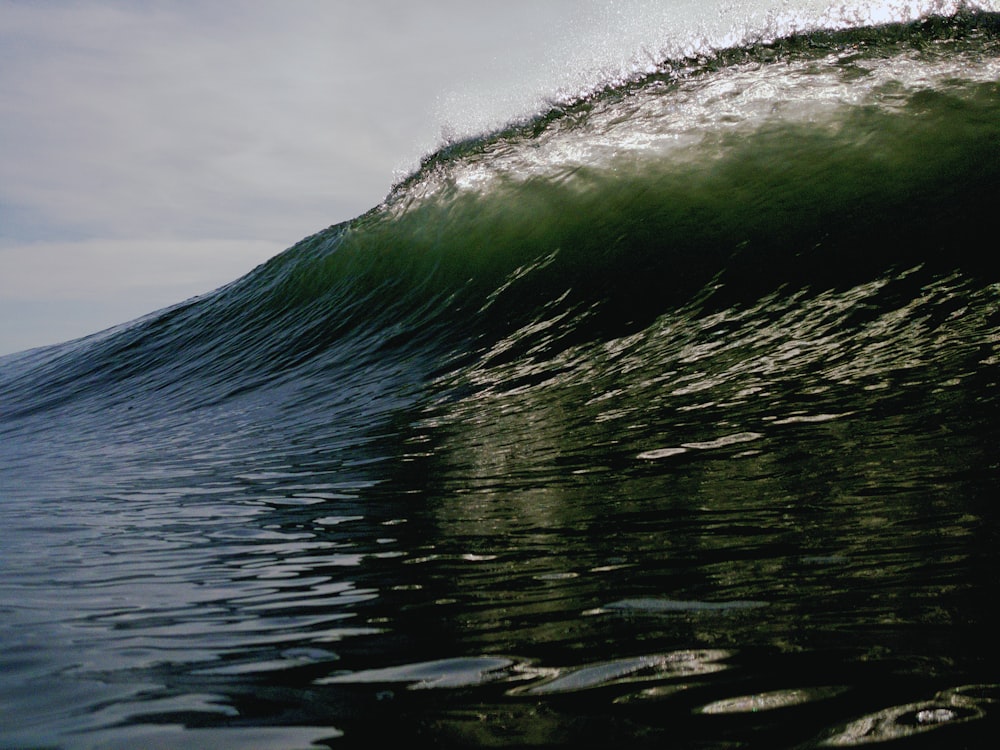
{"x": 151, "y": 151}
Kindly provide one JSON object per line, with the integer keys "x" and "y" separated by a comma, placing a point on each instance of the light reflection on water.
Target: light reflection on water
{"x": 727, "y": 588}
{"x": 950, "y": 707}
{"x": 768, "y": 526}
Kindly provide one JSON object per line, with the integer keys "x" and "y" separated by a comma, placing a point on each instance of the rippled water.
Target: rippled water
{"x": 803, "y": 576}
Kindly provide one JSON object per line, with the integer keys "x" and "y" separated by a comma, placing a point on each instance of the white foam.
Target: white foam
{"x": 605, "y": 44}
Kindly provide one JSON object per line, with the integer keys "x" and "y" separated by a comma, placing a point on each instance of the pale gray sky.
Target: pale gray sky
{"x": 151, "y": 151}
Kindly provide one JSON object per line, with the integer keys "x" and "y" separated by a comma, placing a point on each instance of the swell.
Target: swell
{"x": 703, "y": 187}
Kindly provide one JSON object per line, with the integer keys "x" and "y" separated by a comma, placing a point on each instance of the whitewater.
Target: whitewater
{"x": 663, "y": 412}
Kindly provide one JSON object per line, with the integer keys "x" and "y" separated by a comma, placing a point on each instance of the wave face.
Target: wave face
{"x": 671, "y": 412}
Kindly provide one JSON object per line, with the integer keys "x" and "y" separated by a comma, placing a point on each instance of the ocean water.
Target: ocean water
{"x": 667, "y": 417}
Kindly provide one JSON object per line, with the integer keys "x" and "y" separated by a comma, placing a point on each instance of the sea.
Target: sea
{"x": 665, "y": 416}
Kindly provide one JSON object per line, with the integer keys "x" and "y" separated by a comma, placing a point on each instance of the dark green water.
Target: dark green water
{"x": 669, "y": 418}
